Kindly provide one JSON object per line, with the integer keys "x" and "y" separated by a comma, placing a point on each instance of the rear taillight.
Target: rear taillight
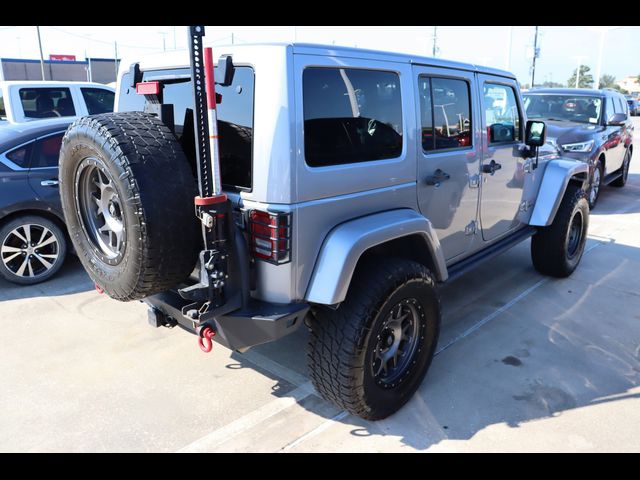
{"x": 270, "y": 236}
{"x": 148, "y": 88}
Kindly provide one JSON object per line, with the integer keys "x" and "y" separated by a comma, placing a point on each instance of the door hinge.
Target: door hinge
{"x": 474, "y": 181}
{"x": 526, "y": 205}
{"x": 527, "y": 166}
{"x": 471, "y": 228}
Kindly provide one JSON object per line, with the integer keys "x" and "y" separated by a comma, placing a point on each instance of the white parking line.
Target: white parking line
{"x": 319, "y": 429}
{"x": 223, "y": 434}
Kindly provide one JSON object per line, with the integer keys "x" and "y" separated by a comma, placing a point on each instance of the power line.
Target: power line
{"x": 107, "y": 42}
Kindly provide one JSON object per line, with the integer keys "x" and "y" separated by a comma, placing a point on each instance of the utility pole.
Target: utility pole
{"x": 41, "y": 56}
{"x": 535, "y": 54}
{"x": 115, "y": 57}
{"x": 435, "y": 41}
{"x": 231, "y": 38}
{"x": 174, "y": 38}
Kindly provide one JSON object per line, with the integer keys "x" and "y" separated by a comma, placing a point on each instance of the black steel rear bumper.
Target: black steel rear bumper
{"x": 259, "y": 322}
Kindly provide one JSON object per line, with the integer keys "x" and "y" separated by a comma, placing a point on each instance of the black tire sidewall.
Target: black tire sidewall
{"x": 597, "y": 166}
{"x": 62, "y": 248}
{"x": 580, "y": 207}
{"x": 80, "y": 147}
{"x": 385, "y": 401}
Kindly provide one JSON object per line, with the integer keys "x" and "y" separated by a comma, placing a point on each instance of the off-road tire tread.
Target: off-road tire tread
{"x": 337, "y": 336}
{"x": 161, "y": 187}
{"x": 547, "y": 245}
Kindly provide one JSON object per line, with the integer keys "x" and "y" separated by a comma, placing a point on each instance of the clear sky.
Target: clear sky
{"x": 561, "y": 48}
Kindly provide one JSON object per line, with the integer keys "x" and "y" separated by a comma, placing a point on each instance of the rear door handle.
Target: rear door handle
{"x": 437, "y": 178}
{"x": 491, "y": 167}
{"x": 49, "y": 183}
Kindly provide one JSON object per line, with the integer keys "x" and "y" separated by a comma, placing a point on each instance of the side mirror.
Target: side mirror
{"x": 535, "y": 133}
{"x": 617, "y": 119}
{"x": 225, "y": 71}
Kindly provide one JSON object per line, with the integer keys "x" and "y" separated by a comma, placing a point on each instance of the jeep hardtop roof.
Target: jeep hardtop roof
{"x": 180, "y": 58}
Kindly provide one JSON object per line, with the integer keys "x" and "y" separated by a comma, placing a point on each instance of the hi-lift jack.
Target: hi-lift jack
{"x": 214, "y": 294}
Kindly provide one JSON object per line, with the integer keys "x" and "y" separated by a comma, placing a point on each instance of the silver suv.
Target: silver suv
{"x": 357, "y": 182}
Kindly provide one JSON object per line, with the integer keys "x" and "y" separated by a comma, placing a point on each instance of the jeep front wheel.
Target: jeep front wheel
{"x": 370, "y": 354}
{"x": 557, "y": 249}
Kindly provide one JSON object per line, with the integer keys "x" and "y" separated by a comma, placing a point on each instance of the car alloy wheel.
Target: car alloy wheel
{"x": 30, "y": 251}
{"x": 595, "y": 185}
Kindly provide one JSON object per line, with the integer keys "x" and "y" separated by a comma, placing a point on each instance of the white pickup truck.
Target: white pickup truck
{"x": 23, "y": 101}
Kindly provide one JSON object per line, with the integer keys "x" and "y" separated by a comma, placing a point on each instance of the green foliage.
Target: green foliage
{"x": 586, "y": 79}
{"x": 549, "y": 84}
{"x": 608, "y": 81}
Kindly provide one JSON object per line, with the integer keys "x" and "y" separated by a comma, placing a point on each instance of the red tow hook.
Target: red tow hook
{"x": 99, "y": 289}
{"x": 205, "y": 339}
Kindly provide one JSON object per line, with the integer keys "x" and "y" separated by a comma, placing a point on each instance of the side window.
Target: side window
{"x": 501, "y": 112}
{"x": 609, "y": 108}
{"x": 3, "y": 112}
{"x": 98, "y": 100}
{"x": 47, "y": 151}
{"x": 20, "y": 156}
{"x": 350, "y": 115}
{"x": 616, "y": 105}
{"x": 47, "y": 102}
{"x": 445, "y": 113}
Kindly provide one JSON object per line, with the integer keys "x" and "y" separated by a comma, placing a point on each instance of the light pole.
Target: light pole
{"x": 41, "y": 57}
{"x": 579, "y": 59}
{"x": 508, "y": 62}
{"x": 603, "y": 31}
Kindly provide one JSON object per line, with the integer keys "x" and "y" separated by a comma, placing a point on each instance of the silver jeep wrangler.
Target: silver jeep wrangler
{"x": 356, "y": 182}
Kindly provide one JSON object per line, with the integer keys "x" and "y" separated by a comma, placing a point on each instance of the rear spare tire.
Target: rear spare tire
{"x": 127, "y": 194}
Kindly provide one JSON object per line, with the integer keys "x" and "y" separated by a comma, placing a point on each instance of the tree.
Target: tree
{"x": 549, "y": 84}
{"x": 608, "y": 81}
{"x": 586, "y": 79}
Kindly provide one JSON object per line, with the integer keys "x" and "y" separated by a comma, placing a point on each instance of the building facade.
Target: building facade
{"x": 101, "y": 70}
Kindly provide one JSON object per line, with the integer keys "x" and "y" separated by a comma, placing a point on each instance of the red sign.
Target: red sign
{"x": 63, "y": 58}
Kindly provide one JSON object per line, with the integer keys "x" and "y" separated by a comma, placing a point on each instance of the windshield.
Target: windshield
{"x": 569, "y": 108}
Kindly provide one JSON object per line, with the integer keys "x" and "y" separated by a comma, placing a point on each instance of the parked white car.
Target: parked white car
{"x": 23, "y": 101}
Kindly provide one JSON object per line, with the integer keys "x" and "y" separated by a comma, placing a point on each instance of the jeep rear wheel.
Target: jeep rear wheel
{"x": 127, "y": 194}
{"x": 557, "y": 249}
{"x": 370, "y": 355}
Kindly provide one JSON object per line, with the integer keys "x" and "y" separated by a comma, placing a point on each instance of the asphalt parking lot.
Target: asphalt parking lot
{"x": 524, "y": 363}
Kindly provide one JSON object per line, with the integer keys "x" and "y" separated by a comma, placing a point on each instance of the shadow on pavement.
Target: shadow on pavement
{"x": 558, "y": 349}
{"x": 69, "y": 280}
{"x": 631, "y": 191}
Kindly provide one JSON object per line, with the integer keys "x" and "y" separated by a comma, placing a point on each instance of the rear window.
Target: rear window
{"x": 98, "y": 100}
{"x": 47, "y": 151}
{"x": 235, "y": 118}
{"x": 47, "y": 102}
{"x": 20, "y": 156}
{"x": 350, "y": 115}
